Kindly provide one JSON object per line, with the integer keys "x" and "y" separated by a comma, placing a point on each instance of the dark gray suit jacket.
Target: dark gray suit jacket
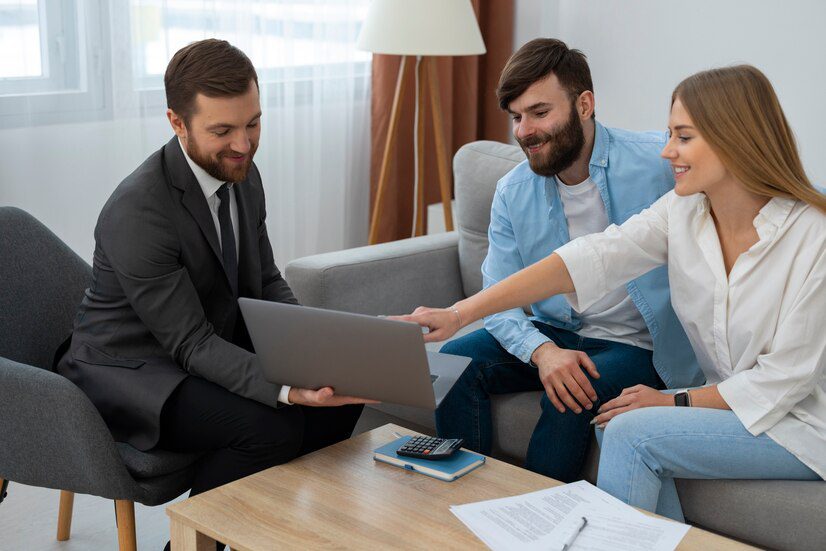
{"x": 160, "y": 305}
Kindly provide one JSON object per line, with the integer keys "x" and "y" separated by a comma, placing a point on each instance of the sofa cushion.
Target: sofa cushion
{"x": 477, "y": 167}
{"x": 776, "y": 514}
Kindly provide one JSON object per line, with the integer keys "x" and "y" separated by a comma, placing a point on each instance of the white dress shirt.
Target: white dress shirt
{"x": 614, "y": 317}
{"x": 760, "y": 333}
{"x": 210, "y": 185}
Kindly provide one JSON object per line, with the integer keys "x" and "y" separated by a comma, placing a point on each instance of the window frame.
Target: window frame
{"x": 73, "y": 87}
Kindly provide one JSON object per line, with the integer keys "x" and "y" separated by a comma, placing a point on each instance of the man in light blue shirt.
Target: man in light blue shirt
{"x": 579, "y": 177}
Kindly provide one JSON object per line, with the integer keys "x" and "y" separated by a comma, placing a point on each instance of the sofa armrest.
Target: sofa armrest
{"x": 389, "y": 278}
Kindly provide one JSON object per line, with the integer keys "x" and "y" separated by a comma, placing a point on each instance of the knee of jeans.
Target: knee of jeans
{"x": 633, "y": 430}
{"x": 627, "y": 428}
{"x": 456, "y": 347}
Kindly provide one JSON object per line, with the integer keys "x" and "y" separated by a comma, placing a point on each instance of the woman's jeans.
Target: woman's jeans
{"x": 560, "y": 440}
{"x": 644, "y": 450}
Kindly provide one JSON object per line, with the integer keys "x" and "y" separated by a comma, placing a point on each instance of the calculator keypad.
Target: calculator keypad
{"x": 426, "y": 446}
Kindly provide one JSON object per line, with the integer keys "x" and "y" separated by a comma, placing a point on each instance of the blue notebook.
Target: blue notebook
{"x": 448, "y": 469}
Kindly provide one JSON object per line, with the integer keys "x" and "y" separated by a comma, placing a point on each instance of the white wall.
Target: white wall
{"x": 60, "y": 175}
{"x": 639, "y": 50}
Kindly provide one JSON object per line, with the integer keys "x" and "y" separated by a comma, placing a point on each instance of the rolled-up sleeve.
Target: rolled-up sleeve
{"x": 601, "y": 262}
{"x": 795, "y": 364}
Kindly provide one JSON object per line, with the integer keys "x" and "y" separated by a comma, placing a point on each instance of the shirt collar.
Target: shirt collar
{"x": 768, "y": 220}
{"x": 209, "y": 184}
{"x": 774, "y": 212}
{"x": 599, "y": 155}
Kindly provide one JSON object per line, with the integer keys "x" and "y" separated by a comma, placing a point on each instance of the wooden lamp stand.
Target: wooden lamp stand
{"x": 428, "y": 81}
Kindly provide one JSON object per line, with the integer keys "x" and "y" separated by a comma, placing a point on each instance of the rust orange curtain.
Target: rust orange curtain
{"x": 469, "y": 109}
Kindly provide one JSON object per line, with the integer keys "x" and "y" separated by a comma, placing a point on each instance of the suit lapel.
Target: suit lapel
{"x": 181, "y": 176}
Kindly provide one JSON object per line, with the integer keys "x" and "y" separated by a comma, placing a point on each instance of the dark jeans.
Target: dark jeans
{"x": 560, "y": 440}
{"x": 241, "y": 436}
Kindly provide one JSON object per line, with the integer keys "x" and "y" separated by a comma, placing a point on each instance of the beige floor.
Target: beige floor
{"x": 28, "y": 521}
{"x": 28, "y": 516}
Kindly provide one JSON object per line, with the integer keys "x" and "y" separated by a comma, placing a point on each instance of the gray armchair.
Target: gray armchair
{"x": 440, "y": 269}
{"x": 50, "y": 433}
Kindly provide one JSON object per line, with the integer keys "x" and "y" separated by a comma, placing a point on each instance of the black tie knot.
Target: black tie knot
{"x": 223, "y": 192}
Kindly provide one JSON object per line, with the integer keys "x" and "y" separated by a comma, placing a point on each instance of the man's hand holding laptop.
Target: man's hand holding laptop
{"x": 323, "y": 397}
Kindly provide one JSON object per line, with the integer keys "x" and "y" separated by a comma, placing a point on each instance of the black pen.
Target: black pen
{"x": 579, "y": 530}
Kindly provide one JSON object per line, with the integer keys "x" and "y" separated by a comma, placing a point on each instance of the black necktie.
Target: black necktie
{"x": 228, "y": 239}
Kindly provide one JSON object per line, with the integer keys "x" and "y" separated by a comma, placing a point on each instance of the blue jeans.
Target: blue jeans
{"x": 560, "y": 440}
{"x": 644, "y": 450}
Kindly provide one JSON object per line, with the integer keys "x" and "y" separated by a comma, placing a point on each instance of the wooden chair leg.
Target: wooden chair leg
{"x": 125, "y": 517}
{"x": 4, "y": 484}
{"x": 64, "y": 515}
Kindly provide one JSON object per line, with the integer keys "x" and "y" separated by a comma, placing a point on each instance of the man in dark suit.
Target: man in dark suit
{"x": 159, "y": 345}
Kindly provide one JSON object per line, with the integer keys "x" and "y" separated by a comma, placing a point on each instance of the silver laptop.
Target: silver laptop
{"x": 357, "y": 355}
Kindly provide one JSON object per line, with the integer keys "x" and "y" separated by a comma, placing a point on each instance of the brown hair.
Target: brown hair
{"x": 214, "y": 68}
{"x": 536, "y": 60}
{"x": 737, "y": 112}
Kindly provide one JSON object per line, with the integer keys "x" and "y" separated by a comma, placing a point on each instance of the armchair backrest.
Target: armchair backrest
{"x": 477, "y": 167}
{"x": 42, "y": 285}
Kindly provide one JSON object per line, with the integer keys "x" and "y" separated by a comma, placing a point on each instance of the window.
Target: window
{"x": 49, "y": 61}
{"x": 284, "y": 39}
{"x": 79, "y": 60}
{"x": 20, "y": 38}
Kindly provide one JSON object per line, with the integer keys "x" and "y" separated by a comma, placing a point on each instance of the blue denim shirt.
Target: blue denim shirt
{"x": 527, "y": 223}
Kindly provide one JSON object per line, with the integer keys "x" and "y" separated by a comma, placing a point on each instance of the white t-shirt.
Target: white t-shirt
{"x": 614, "y": 318}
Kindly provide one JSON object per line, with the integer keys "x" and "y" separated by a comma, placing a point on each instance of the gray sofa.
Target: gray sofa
{"x": 440, "y": 269}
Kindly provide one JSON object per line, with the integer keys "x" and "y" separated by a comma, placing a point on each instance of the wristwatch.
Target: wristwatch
{"x": 682, "y": 399}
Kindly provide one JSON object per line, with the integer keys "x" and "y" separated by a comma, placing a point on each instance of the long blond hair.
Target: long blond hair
{"x": 737, "y": 112}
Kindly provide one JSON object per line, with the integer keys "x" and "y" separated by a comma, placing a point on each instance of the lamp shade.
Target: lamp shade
{"x": 421, "y": 27}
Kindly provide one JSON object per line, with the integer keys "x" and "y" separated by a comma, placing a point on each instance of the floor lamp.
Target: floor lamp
{"x": 419, "y": 30}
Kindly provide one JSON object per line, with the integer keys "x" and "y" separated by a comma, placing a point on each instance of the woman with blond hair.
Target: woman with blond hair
{"x": 744, "y": 236}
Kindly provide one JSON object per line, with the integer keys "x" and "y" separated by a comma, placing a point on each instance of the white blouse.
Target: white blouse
{"x": 760, "y": 333}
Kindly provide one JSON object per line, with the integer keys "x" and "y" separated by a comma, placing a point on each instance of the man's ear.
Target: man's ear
{"x": 177, "y": 123}
{"x": 585, "y": 105}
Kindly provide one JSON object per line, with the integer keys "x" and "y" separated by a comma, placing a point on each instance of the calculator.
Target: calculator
{"x": 426, "y": 447}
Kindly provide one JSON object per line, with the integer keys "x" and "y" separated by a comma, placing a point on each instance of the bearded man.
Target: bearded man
{"x": 579, "y": 177}
{"x": 159, "y": 344}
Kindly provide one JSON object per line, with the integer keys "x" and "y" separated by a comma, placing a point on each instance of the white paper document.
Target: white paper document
{"x": 547, "y": 519}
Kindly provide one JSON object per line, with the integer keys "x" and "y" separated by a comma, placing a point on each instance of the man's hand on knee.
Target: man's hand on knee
{"x": 561, "y": 373}
{"x": 323, "y": 397}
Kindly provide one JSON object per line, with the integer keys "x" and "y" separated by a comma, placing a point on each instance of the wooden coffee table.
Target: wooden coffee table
{"x": 339, "y": 497}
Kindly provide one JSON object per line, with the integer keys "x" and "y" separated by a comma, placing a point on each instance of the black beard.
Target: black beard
{"x": 214, "y": 168}
{"x": 566, "y": 143}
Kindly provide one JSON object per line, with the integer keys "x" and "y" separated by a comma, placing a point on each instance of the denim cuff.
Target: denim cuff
{"x": 530, "y": 344}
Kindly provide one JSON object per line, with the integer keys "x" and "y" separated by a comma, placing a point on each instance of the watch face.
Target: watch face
{"x": 681, "y": 399}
